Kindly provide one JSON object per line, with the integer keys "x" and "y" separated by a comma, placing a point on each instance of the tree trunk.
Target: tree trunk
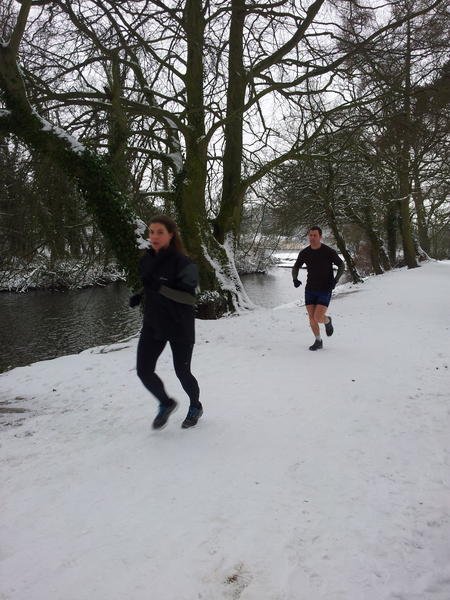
{"x": 230, "y": 215}
{"x": 118, "y": 130}
{"x": 191, "y": 186}
{"x": 422, "y": 228}
{"x": 220, "y": 287}
{"x": 404, "y": 174}
{"x": 392, "y": 225}
{"x": 409, "y": 251}
{"x": 333, "y": 225}
{"x": 378, "y": 256}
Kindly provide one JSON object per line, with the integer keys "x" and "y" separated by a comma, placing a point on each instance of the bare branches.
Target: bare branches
{"x": 21, "y": 24}
{"x": 281, "y": 52}
{"x": 255, "y": 81}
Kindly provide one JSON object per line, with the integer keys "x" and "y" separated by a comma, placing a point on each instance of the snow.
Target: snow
{"x": 72, "y": 142}
{"x": 43, "y": 273}
{"x": 228, "y": 276}
{"x": 312, "y": 475}
{"x": 286, "y": 259}
{"x": 177, "y": 160}
{"x": 140, "y": 229}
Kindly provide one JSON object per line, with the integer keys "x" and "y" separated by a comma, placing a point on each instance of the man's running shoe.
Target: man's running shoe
{"x": 165, "y": 410}
{"x": 318, "y": 345}
{"x": 192, "y": 417}
{"x": 329, "y": 328}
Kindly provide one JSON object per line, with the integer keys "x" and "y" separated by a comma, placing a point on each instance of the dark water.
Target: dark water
{"x": 41, "y": 325}
{"x": 273, "y": 288}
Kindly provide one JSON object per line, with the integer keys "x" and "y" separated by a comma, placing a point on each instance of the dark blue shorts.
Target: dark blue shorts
{"x": 322, "y": 298}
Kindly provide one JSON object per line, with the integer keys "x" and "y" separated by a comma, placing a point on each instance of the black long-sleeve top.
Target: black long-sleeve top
{"x": 319, "y": 264}
{"x": 170, "y": 279}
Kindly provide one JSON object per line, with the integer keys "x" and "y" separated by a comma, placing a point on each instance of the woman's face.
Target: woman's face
{"x": 159, "y": 236}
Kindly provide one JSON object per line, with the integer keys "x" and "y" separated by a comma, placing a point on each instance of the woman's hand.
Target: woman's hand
{"x": 135, "y": 300}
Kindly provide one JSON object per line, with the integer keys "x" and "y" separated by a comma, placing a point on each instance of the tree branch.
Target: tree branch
{"x": 19, "y": 29}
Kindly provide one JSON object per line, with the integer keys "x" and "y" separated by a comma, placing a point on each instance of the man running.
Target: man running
{"x": 319, "y": 260}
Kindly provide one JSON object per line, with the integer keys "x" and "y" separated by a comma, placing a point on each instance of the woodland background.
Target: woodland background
{"x": 245, "y": 121}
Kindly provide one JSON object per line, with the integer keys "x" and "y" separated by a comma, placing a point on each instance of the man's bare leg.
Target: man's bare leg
{"x": 320, "y": 316}
{"x": 314, "y": 326}
{"x": 312, "y": 320}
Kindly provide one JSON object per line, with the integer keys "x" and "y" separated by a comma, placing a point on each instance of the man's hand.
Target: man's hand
{"x": 297, "y": 283}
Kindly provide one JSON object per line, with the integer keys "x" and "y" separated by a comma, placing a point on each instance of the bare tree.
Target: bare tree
{"x": 194, "y": 96}
{"x": 407, "y": 133}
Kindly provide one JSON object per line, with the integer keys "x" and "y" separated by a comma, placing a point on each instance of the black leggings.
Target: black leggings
{"x": 148, "y": 352}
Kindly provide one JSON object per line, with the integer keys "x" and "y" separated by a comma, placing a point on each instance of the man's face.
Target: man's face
{"x": 314, "y": 238}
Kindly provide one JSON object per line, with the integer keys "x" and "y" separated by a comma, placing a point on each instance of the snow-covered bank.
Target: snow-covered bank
{"x": 68, "y": 274}
{"x": 313, "y": 476}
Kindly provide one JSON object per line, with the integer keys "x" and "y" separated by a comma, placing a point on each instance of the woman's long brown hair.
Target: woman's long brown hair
{"x": 176, "y": 241}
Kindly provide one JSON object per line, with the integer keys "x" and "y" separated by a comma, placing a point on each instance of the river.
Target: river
{"x": 41, "y": 325}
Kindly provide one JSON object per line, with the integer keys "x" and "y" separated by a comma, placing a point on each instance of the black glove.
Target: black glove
{"x": 296, "y": 282}
{"x": 135, "y": 300}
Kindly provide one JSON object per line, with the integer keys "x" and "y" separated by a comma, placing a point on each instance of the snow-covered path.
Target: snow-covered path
{"x": 313, "y": 476}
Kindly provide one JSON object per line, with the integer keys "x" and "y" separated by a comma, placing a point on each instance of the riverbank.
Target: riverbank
{"x": 61, "y": 275}
{"x": 311, "y": 475}
{"x": 75, "y": 274}
{"x": 40, "y": 324}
